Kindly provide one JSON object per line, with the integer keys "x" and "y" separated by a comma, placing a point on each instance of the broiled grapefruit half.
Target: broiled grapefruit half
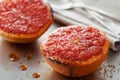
{"x": 23, "y": 21}
{"x": 75, "y": 50}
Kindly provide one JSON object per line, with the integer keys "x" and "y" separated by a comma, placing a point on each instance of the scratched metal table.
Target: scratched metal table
{"x": 9, "y": 70}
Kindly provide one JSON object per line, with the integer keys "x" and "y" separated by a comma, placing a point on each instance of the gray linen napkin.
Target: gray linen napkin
{"x": 110, "y": 6}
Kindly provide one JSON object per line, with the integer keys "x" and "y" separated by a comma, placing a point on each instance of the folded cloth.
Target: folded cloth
{"x": 111, "y": 6}
{"x": 72, "y": 17}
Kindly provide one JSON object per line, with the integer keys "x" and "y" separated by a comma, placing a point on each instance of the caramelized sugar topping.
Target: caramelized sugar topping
{"x": 75, "y": 43}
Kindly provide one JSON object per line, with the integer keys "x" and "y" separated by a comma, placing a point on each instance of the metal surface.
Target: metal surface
{"x": 9, "y": 70}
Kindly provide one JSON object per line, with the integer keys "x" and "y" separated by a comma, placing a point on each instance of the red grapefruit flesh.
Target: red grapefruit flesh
{"x": 75, "y": 43}
{"x": 23, "y": 16}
